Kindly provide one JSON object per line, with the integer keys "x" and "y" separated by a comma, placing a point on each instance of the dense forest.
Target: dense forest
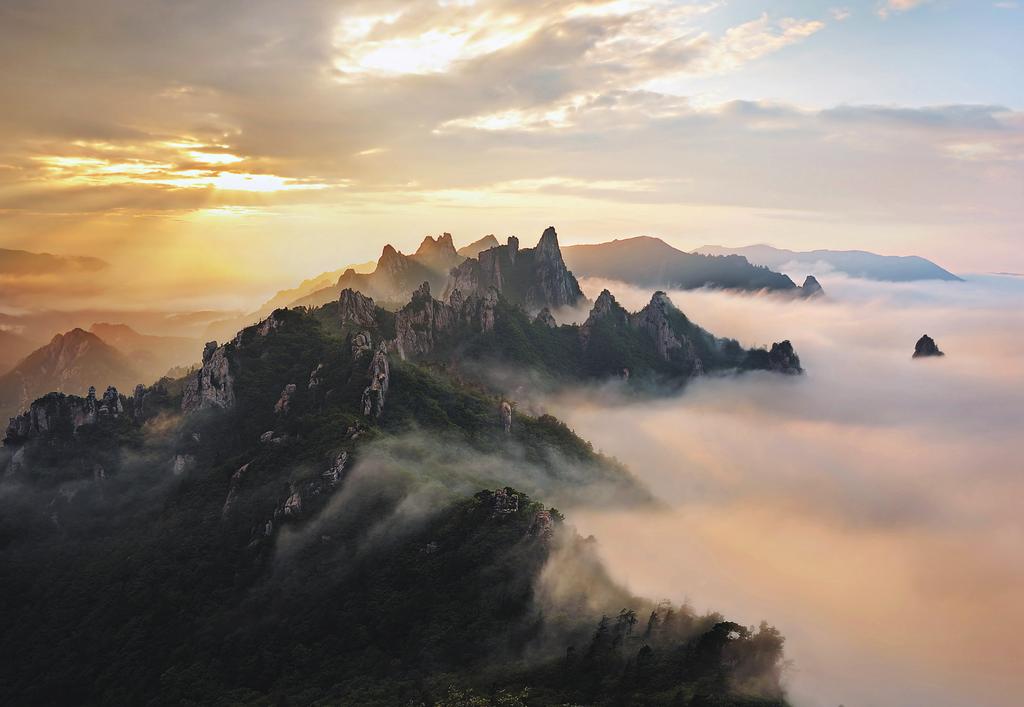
{"x": 351, "y": 529}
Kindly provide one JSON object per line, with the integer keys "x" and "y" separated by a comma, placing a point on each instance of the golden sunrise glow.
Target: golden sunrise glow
{"x": 99, "y": 171}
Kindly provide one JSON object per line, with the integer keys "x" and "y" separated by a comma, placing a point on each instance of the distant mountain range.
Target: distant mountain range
{"x": 855, "y": 263}
{"x": 151, "y": 355}
{"x": 645, "y": 262}
{"x": 651, "y": 262}
{"x": 70, "y": 363}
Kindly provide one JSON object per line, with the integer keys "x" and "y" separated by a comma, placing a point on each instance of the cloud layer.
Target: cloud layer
{"x": 869, "y": 509}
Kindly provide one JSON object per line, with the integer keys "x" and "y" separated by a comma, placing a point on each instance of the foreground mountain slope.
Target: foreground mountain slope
{"x": 855, "y": 263}
{"x": 302, "y": 521}
{"x": 650, "y": 262}
{"x": 71, "y": 362}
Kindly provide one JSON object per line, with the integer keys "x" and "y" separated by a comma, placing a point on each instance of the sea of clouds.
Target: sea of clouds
{"x": 871, "y": 509}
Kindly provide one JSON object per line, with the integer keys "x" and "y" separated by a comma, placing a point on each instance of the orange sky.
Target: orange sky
{"x": 212, "y": 155}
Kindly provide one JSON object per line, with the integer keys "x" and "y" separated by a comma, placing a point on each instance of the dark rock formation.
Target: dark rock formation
{"x": 360, "y": 343}
{"x": 375, "y": 394}
{"x": 315, "y": 377}
{"x": 811, "y": 287}
{"x": 654, "y": 319}
{"x": 284, "y": 403}
{"x": 532, "y": 277}
{"x": 545, "y": 317}
{"x": 356, "y": 309}
{"x": 783, "y": 359}
{"x": 926, "y": 347}
{"x": 213, "y": 386}
{"x": 506, "y": 416}
{"x": 332, "y": 477}
{"x": 60, "y": 415}
{"x": 236, "y": 482}
{"x": 421, "y": 321}
{"x": 424, "y": 324}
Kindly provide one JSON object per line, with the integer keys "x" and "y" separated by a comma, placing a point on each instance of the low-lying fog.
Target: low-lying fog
{"x": 872, "y": 509}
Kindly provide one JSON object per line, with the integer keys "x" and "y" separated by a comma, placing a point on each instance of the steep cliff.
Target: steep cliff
{"x": 533, "y": 278}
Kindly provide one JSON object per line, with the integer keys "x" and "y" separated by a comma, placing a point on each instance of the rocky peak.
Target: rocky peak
{"x": 532, "y": 277}
{"x": 547, "y": 246}
{"x": 926, "y": 347}
{"x": 356, "y": 309}
{"x": 208, "y": 350}
{"x": 213, "y": 385}
{"x": 811, "y": 287}
{"x": 421, "y": 295}
{"x": 607, "y": 306}
{"x": 545, "y": 318}
{"x": 653, "y": 319}
{"x": 783, "y": 359}
{"x": 438, "y": 255}
{"x": 391, "y": 262}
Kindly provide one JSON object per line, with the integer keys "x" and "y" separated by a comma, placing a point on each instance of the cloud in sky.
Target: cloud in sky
{"x": 888, "y": 6}
{"x": 171, "y": 133}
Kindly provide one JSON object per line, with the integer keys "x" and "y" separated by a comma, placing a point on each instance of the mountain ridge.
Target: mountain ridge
{"x": 646, "y": 261}
{"x": 855, "y": 263}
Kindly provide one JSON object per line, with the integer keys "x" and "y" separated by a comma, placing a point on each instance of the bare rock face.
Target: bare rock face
{"x": 270, "y": 324}
{"x": 811, "y": 287}
{"x": 783, "y": 359}
{"x": 419, "y": 323}
{"x": 213, "y": 386}
{"x": 506, "y": 416}
{"x": 284, "y": 402}
{"x": 553, "y": 285}
{"x": 361, "y": 342}
{"x": 182, "y": 463}
{"x": 545, "y": 318}
{"x": 53, "y": 414}
{"x": 315, "y": 377}
{"x": 532, "y": 277}
{"x": 375, "y": 394}
{"x": 654, "y": 319}
{"x": 926, "y": 347}
{"x": 236, "y": 482}
{"x": 479, "y": 312}
{"x": 293, "y": 505}
{"x": 356, "y": 309}
{"x": 111, "y": 404}
{"x": 332, "y": 477}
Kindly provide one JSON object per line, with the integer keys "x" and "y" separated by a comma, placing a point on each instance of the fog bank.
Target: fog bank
{"x": 870, "y": 509}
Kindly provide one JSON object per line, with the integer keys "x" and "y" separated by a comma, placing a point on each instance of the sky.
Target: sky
{"x": 212, "y": 153}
